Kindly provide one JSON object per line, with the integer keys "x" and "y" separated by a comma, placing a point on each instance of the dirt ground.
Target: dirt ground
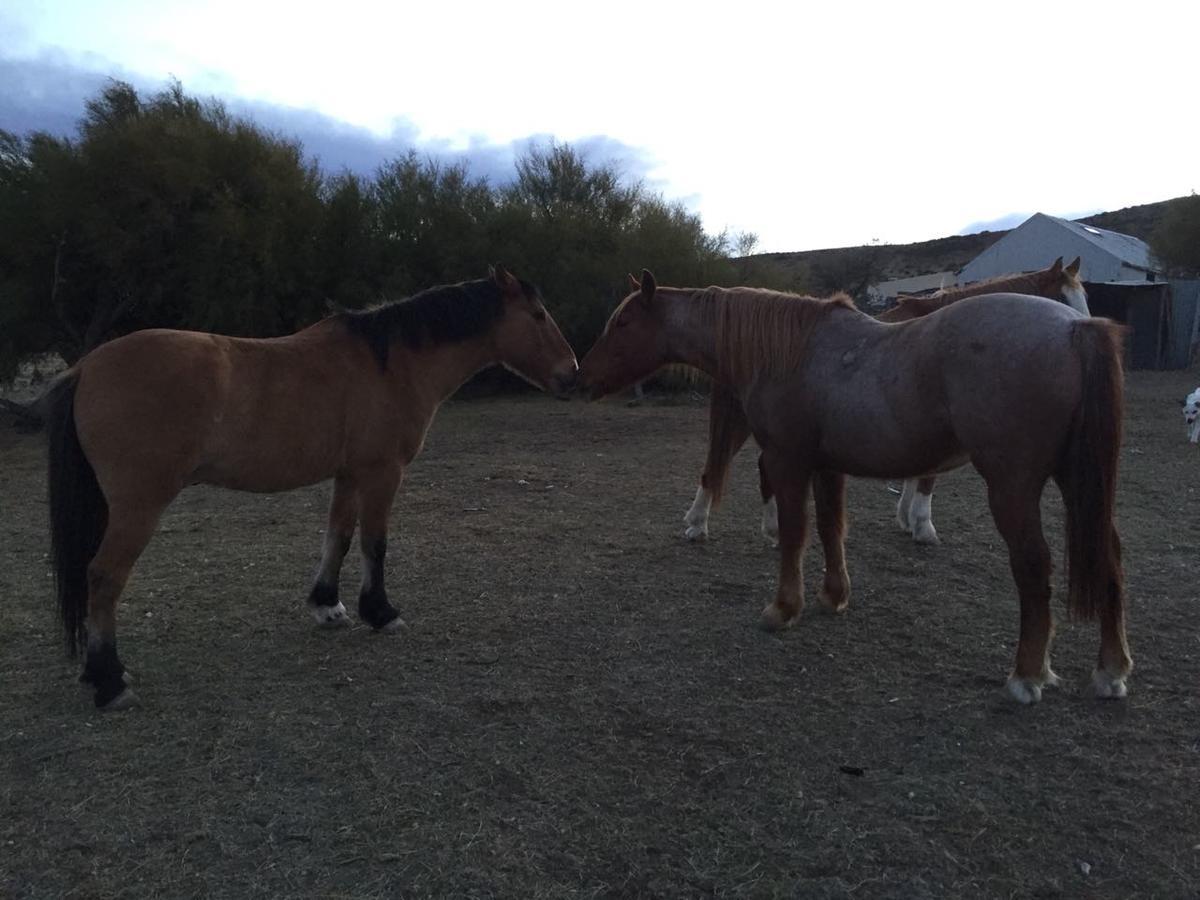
{"x": 584, "y": 705}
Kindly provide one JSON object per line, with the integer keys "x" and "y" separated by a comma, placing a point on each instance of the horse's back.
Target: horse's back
{"x": 183, "y": 405}
{"x": 1008, "y": 363}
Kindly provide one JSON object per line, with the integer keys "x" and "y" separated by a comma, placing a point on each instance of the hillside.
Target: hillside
{"x": 951, "y": 253}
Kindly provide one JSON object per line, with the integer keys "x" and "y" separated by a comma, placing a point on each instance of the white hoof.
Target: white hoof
{"x": 396, "y": 625}
{"x": 925, "y": 533}
{"x": 1107, "y": 687}
{"x": 696, "y": 532}
{"x": 123, "y": 700}
{"x": 1024, "y": 690}
{"x": 331, "y": 616}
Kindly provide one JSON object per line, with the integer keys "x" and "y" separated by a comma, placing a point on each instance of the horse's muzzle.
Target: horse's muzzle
{"x": 563, "y": 384}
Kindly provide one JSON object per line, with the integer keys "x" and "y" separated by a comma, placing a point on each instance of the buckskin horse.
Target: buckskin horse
{"x": 351, "y": 397}
{"x": 728, "y": 430}
{"x": 1023, "y": 388}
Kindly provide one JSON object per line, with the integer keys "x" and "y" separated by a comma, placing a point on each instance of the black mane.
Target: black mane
{"x": 439, "y": 315}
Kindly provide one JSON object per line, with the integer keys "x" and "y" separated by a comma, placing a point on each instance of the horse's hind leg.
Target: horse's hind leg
{"x": 791, "y": 484}
{"x": 128, "y": 531}
{"x": 1115, "y": 663}
{"x": 1016, "y": 510}
{"x": 728, "y": 430}
{"x": 323, "y": 600}
{"x": 376, "y": 491}
{"x": 920, "y": 514}
{"x": 770, "y": 516}
{"x": 904, "y": 505}
{"x": 829, "y": 493}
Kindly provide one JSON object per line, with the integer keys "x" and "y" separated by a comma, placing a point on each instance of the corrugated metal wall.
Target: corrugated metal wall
{"x": 1185, "y": 315}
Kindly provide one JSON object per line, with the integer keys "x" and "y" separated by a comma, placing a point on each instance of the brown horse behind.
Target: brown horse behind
{"x": 728, "y": 430}
{"x": 351, "y": 398}
{"x": 828, "y": 391}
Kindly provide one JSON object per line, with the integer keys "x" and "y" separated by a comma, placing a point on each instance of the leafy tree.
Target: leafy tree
{"x": 169, "y": 212}
{"x": 161, "y": 212}
{"x": 1176, "y": 241}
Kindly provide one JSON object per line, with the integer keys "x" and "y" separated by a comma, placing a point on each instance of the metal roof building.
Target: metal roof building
{"x": 1106, "y": 255}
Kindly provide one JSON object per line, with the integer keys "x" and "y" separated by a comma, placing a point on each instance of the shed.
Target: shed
{"x": 1106, "y": 256}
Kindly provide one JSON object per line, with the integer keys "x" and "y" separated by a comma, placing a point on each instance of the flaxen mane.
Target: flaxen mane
{"x": 760, "y": 332}
{"x": 439, "y": 315}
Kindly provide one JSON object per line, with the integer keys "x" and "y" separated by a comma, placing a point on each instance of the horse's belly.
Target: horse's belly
{"x": 884, "y": 454}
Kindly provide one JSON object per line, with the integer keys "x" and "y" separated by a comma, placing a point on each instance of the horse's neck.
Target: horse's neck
{"x": 434, "y": 373}
{"x": 689, "y": 340}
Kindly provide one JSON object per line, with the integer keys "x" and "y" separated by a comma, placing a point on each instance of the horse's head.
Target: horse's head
{"x": 1191, "y": 415}
{"x": 631, "y": 346}
{"x": 1064, "y": 283}
{"x": 527, "y": 339}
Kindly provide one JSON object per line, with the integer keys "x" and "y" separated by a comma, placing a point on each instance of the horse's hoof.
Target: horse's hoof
{"x": 395, "y": 626}
{"x": 123, "y": 700}
{"x": 1024, "y": 690}
{"x": 1050, "y": 679}
{"x": 696, "y": 532}
{"x": 1108, "y": 687}
{"x": 775, "y": 619}
{"x": 331, "y": 616}
{"x": 926, "y": 534}
{"x": 835, "y": 607}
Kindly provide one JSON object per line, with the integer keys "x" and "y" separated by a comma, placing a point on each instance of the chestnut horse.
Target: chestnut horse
{"x": 728, "y": 430}
{"x": 351, "y": 397}
{"x": 1023, "y": 388}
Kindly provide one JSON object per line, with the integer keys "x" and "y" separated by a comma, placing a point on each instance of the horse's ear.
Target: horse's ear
{"x": 1073, "y": 268}
{"x": 648, "y": 286}
{"x": 504, "y": 279}
{"x": 1057, "y": 267}
{"x": 634, "y": 283}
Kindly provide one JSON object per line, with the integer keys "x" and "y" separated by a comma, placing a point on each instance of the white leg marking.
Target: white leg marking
{"x": 695, "y": 519}
{"x": 921, "y": 517}
{"x": 770, "y": 522}
{"x": 1107, "y": 686}
{"x": 904, "y": 505}
{"x": 330, "y": 616}
{"x": 1024, "y": 690}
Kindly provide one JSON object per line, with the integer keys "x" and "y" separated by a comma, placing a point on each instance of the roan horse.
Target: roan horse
{"x": 728, "y": 429}
{"x": 351, "y": 397}
{"x": 1023, "y": 388}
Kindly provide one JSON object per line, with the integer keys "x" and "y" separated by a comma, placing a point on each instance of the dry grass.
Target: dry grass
{"x": 583, "y": 705}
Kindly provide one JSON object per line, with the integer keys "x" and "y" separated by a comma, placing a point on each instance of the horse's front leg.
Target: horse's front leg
{"x": 323, "y": 600}
{"x": 829, "y": 493}
{"x": 791, "y": 485}
{"x": 376, "y": 491}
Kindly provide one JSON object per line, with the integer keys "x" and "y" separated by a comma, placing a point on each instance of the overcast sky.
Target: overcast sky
{"x": 810, "y": 124}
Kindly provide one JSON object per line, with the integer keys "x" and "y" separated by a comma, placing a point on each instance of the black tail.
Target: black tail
{"x": 1088, "y": 475}
{"x": 78, "y": 511}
